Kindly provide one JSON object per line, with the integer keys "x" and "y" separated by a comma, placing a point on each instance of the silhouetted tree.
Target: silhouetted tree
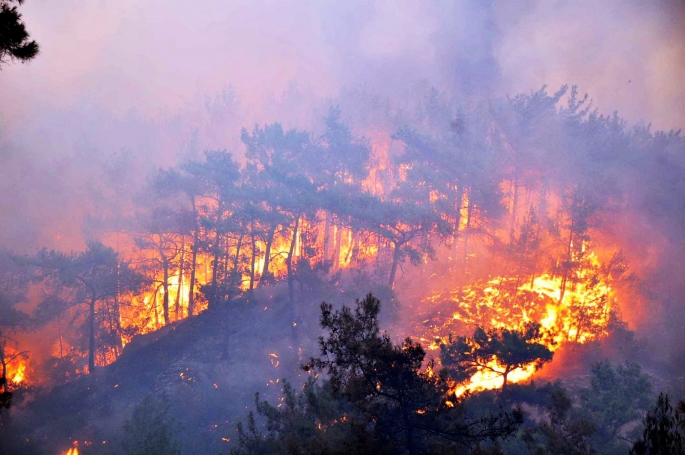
{"x": 661, "y": 434}
{"x": 161, "y": 241}
{"x": 408, "y": 404}
{"x": 217, "y": 178}
{"x": 14, "y": 39}
{"x": 401, "y": 222}
{"x": 500, "y": 351}
{"x": 312, "y": 421}
{"x": 90, "y": 278}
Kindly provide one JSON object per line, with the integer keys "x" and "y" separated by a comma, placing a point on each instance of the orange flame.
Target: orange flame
{"x": 19, "y": 375}
{"x": 579, "y": 313}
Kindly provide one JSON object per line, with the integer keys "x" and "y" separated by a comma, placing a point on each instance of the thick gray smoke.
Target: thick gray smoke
{"x": 153, "y": 82}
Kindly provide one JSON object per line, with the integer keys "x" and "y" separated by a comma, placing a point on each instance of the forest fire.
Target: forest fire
{"x": 572, "y": 309}
{"x": 167, "y": 268}
{"x": 19, "y": 375}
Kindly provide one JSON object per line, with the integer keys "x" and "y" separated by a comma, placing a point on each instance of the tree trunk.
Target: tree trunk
{"x": 395, "y": 263}
{"x": 267, "y": 252}
{"x": 567, "y": 266}
{"x": 291, "y": 279}
{"x": 289, "y": 260}
{"x": 193, "y": 263}
{"x": 91, "y": 336}
{"x": 154, "y": 305}
{"x": 253, "y": 255}
{"x": 325, "y": 238}
{"x": 338, "y": 246}
{"x": 504, "y": 379}
{"x": 353, "y": 249}
{"x": 215, "y": 268}
{"x": 181, "y": 265}
{"x": 3, "y": 362}
{"x": 236, "y": 262}
{"x": 227, "y": 259}
{"x": 165, "y": 287}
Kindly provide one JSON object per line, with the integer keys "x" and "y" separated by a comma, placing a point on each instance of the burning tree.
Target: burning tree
{"x": 93, "y": 280}
{"x": 13, "y": 361}
{"x": 163, "y": 231}
{"x": 498, "y": 351}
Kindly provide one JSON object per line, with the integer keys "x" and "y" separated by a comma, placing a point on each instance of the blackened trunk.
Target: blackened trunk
{"x": 325, "y": 238}
{"x": 289, "y": 261}
{"x": 236, "y": 262}
{"x": 353, "y": 249}
{"x": 253, "y": 256}
{"x": 291, "y": 279}
{"x": 567, "y": 265}
{"x": 91, "y": 336}
{"x": 267, "y": 252}
{"x": 193, "y": 263}
{"x": 395, "y": 263}
{"x": 215, "y": 269}
{"x": 4, "y": 383}
{"x": 180, "y": 278}
{"x": 165, "y": 287}
{"x": 505, "y": 376}
{"x": 338, "y": 246}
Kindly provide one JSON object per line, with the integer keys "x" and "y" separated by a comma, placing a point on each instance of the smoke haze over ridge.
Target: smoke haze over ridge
{"x": 157, "y": 79}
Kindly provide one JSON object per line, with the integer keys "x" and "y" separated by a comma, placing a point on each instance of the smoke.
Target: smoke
{"x": 153, "y": 83}
{"x": 628, "y": 55}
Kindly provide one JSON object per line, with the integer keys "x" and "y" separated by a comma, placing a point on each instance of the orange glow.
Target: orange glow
{"x": 580, "y": 315}
{"x": 16, "y": 365}
{"x": 19, "y": 374}
{"x": 73, "y": 450}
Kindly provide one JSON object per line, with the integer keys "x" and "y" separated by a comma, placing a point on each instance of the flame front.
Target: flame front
{"x": 575, "y": 309}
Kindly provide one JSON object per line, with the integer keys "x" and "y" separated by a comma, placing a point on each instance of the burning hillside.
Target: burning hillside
{"x": 166, "y": 254}
{"x": 466, "y": 224}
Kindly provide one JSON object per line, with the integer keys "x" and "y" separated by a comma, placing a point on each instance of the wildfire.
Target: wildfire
{"x": 16, "y": 364}
{"x": 19, "y": 375}
{"x": 487, "y": 379}
{"x": 73, "y": 450}
{"x": 572, "y": 309}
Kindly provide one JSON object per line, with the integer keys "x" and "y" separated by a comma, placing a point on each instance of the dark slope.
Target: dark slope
{"x": 209, "y": 367}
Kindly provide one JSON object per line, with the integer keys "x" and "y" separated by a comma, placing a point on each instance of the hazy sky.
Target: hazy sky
{"x": 143, "y": 77}
{"x": 157, "y": 55}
